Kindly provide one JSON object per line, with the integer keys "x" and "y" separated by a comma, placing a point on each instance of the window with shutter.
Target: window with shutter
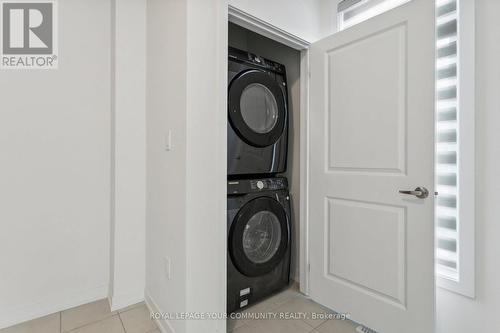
{"x": 352, "y": 12}
{"x": 447, "y": 219}
{"x": 455, "y": 145}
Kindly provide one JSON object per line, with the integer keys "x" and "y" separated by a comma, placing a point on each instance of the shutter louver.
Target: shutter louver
{"x": 447, "y": 140}
{"x": 351, "y": 12}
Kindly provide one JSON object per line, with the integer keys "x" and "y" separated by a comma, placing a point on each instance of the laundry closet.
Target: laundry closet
{"x": 363, "y": 101}
{"x": 264, "y": 114}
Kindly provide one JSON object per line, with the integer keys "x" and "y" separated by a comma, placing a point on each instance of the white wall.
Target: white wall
{"x": 166, "y": 171}
{"x": 186, "y": 223}
{"x": 307, "y": 19}
{"x": 207, "y": 161}
{"x": 55, "y": 172}
{"x": 328, "y": 17}
{"x": 128, "y": 109}
{"x": 456, "y": 313}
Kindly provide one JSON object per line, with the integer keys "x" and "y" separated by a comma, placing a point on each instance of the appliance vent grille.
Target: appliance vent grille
{"x": 363, "y": 329}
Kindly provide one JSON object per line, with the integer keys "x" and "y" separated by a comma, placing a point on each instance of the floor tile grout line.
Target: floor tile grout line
{"x": 121, "y": 321}
{"x": 315, "y": 328}
{"x": 90, "y": 323}
{"x": 111, "y": 314}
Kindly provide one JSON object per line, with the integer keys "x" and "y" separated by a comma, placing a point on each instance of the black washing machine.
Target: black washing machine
{"x": 259, "y": 236}
{"x": 258, "y": 115}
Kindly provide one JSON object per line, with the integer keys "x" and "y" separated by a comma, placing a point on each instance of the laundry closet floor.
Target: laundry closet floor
{"x": 96, "y": 317}
{"x": 289, "y": 302}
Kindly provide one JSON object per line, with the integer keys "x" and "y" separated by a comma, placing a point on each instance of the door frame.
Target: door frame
{"x": 266, "y": 29}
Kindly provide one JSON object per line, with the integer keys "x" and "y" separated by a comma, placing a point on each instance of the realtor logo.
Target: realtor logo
{"x": 28, "y": 34}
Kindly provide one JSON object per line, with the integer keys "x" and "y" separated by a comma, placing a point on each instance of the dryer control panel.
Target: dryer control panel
{"x": 256, "y": 185}
{"x": 254, "y": 59}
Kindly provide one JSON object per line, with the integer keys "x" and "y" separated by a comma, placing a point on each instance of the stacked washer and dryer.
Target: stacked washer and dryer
{"x": 258, "y": 203}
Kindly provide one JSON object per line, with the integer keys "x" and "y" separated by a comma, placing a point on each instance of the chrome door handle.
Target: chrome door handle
{"x": 419, "y": 192}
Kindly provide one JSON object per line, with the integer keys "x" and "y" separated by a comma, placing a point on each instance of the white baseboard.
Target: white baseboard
{"x": 164, "y": 325}
{"x": 121, "y": 301}
{"x": 50, "y": 305}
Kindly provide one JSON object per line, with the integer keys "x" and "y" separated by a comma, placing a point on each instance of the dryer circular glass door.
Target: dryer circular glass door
{"x": 257, "y": 108}
{"x": 259, "y": 236}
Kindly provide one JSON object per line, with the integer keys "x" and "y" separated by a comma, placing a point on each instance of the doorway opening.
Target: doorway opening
{"x": 448, "y": 127}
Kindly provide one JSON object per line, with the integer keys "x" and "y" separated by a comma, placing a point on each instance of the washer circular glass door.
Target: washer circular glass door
{"x": 259, "y": 236}
{"x": 257, "y": 108}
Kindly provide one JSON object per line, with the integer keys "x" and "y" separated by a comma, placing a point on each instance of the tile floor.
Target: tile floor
{"x": 290, "y": 301}
{"x": 96, "y": 317}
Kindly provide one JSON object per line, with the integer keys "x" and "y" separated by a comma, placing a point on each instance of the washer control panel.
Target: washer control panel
{"x": 256, "y": 185}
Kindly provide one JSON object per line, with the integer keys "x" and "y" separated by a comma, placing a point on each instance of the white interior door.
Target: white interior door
{"x": 371, "y": 248}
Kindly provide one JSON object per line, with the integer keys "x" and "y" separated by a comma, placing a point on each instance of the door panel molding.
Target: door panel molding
{"x": 343, "y": 62}
{"x": 355, "y": 241}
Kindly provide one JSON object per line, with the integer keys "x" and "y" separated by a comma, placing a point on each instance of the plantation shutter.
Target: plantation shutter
{"x": 447, "y": 140}
{"x": 351, "y": 12}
